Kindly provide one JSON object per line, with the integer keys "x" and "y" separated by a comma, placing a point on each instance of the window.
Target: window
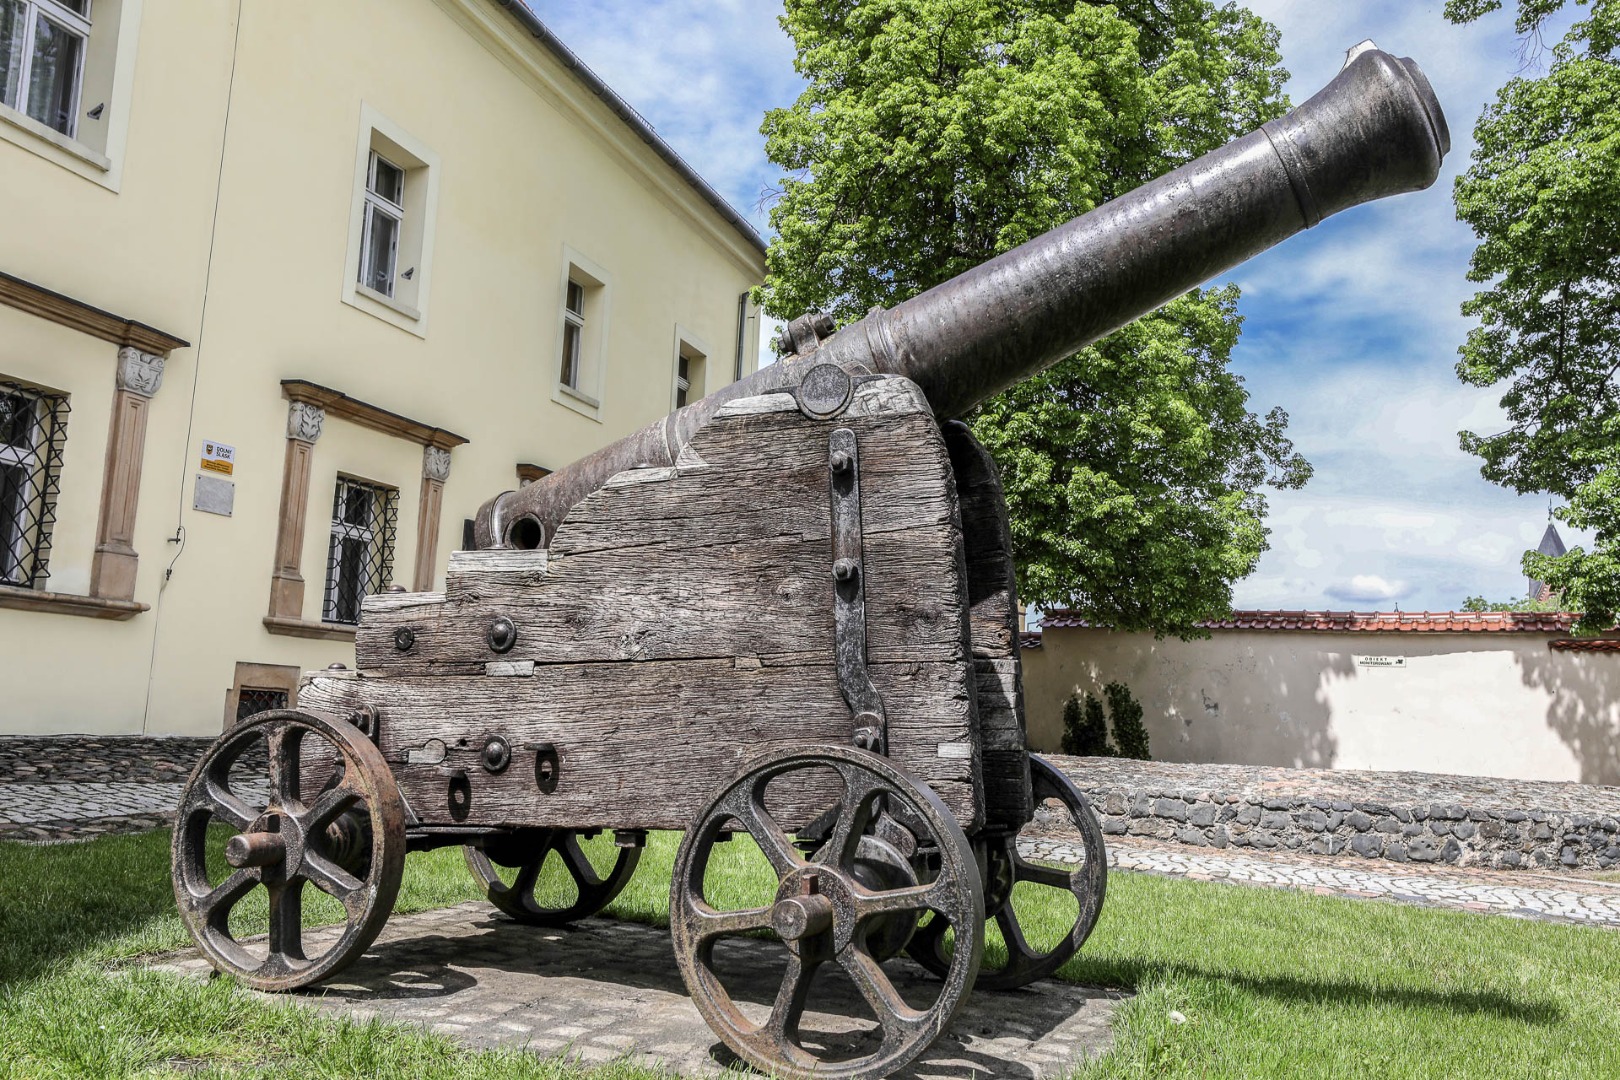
{"x": 253, "y": 700}
{"x": 581, "y": 340}
{"x": 573, "y": 334}
{"x": 385, "y": 211}
{"x": 42, "y": 50}
{"x": 360, "y": 560}
{"x": 391, "y": 224}
{"x": 690, "y": 360}
{"x": 33, "y": 429}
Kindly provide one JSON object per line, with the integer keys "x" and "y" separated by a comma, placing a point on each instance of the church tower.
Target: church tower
{"x": 1551, "y": 544}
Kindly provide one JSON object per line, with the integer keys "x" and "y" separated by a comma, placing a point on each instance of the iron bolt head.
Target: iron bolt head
{"x": 337, "y": 667}
{"x": 842, "y": 462}
{"x": 404, "y": 638}
{"x": 497, "y": 754}
{"x": 845, "y": 570}
{"x": 502, "y": 635}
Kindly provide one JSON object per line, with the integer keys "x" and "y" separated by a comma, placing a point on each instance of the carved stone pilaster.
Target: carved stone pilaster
{"x": 139, "y": 372}
{"x": 304, "y": 421}
{"x": 137, "y": 377}
{"x": 435, "y": 463}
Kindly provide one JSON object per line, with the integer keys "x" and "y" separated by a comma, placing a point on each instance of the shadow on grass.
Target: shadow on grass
{"x": 1314, "y": 991}
{"x": 60, "y": 900}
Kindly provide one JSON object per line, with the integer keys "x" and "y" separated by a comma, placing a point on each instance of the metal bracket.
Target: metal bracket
{"x": 849, "y": 594}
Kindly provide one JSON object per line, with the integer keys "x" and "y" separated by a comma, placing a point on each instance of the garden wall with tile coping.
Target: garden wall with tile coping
{"x": 1396, "y": 816}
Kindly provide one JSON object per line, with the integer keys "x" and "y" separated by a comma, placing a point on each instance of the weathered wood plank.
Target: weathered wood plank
{"x": 644, "y": 744}
{"x": 765, "y": 598}
{"x": 993, "y": 621}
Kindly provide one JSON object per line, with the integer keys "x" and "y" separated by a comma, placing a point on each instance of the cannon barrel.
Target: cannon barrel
{"x": 1375, "y": 130}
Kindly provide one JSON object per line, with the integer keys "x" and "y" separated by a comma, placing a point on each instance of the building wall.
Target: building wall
{"x": 233, "y": 232}
{"x": 1478, "y": 704}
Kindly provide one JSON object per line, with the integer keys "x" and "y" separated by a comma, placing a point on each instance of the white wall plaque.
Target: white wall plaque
{"x": 1381, "y": 661}
{"x": 213, "y": 495}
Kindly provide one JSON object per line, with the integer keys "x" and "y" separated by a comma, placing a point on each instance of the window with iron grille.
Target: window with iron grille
{"x": 253, "y": 701}
{"x": 360, "y": 561}
{"x": 33, "y": 431}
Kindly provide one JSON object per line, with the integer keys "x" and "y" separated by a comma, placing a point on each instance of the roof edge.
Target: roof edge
{"x": 625, "y": 112}
{"x": 1363, "y": 622}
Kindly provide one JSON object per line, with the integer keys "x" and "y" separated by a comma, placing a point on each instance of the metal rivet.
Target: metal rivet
{"x": 404, "y": 638}
{"x": 502, "y": 635}
{"x": 842, "y": 462}
{"x": 845, "y": 570}
{"x": 337, "y": 667}
{"x": 497, "y": 754}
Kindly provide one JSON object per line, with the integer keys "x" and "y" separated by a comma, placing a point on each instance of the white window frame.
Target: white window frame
{"x": 584, "y": 396}
{"x": 573, "y": 346}
{"x": 407, "y": 308}
{"x": 380, "y": 206}
{"x": 64, "y": 18}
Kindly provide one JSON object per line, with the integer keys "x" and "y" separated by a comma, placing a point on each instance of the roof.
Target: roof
{"x": 1551, "y": 544}
{"x": 1368, "y": 622}
{"x": 634, "y": 120}
{"x": 1585, "y": 644}
{"x": 1028, "y": 640}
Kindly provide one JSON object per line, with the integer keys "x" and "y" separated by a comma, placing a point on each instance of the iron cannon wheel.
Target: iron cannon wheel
{"x": 527, "y": 853}
{"x": 347, "y": 838}
{"x": 1005, "y": 867}
{"x": 824, "y": 914}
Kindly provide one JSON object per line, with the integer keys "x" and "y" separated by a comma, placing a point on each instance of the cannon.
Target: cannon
{"x": 785, "y": 612}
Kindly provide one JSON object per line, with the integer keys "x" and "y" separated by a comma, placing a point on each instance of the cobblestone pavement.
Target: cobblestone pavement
{"x": 1554, "y": 898}
{"x": 63, "y": 788}
{"x": 604, "y": 990}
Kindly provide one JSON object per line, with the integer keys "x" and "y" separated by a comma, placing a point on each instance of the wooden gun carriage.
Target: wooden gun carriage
{"x": 786, "y": 611}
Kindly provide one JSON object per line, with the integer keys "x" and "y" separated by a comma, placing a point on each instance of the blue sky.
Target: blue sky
{"x": 1352, "y": 327}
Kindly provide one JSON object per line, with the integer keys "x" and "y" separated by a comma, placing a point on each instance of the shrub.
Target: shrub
{"x": 1129, "y": 731}
{"x": 1085, "y": 732}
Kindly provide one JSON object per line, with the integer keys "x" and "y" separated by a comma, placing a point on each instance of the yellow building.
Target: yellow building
{"x": 288, "y": 288}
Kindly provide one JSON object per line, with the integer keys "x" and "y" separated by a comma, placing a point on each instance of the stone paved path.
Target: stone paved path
{"x": 1532, "y": 896}
{"x": 604, "y": 990}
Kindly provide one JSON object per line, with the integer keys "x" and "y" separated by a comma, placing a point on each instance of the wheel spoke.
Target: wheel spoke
{"x": 893, "y": 1014}
{"x": 1019, "y": 952}
{"x": 579, "y": 866}
{"x": 332, "y": 802}
{"x": 708, "y": 923}
{"x": 790, "y": 1000}
{"x": 220, "y": 802}
{"x": 748, "y": 807}
{"x": 897, "y": 900}
{"x": 855, "y": 813}
{"x": 284, "y": 744}
{"x": 527, "y": 876}
{"x": 333, "y": 880}
{"x": 1049, "y": 876}
{"x": 217, "y": 902}
{"x": 287, "y": 921}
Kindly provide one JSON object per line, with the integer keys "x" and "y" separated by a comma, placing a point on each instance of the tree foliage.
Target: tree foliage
{"x": 1523, "y": 603}
{"x": 1085, "y": 728}
{"x": 1543, "y": 197}
{"x": 935, "y": 134}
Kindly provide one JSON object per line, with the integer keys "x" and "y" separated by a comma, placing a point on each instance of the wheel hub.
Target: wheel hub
{"x": 815, "y": 902}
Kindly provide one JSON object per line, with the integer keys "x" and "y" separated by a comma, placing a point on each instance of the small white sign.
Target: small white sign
{"x": 217, "y": 457}
{"x": 1381, "y": 661}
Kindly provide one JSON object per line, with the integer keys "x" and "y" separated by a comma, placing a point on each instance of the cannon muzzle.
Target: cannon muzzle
{"x": 1375, "y": 130}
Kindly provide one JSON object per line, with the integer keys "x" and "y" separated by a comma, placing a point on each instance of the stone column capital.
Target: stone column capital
{"x": 435, "y": 463}
{"x": 304, "y": 421}
{"x": 139, "y": 372}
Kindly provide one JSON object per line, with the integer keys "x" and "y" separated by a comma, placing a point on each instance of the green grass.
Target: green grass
{"x": 1270, "y": 983}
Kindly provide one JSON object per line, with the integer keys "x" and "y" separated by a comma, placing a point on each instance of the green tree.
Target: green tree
{"x": 1524, "y": 603}
{"x": 935, "y": 134}
{"x": 1543, "y": 197}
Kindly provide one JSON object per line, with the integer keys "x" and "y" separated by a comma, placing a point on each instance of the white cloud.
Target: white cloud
{"x": 1367, "y": 589}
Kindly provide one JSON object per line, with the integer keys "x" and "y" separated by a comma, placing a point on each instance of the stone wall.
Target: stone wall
{"x": 1400, "y": 817}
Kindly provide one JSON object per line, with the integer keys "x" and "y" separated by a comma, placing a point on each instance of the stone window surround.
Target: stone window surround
{"x": 309, "y": 404}
{"x": 250, "y": 676}
{"x": 137, "y": 377}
